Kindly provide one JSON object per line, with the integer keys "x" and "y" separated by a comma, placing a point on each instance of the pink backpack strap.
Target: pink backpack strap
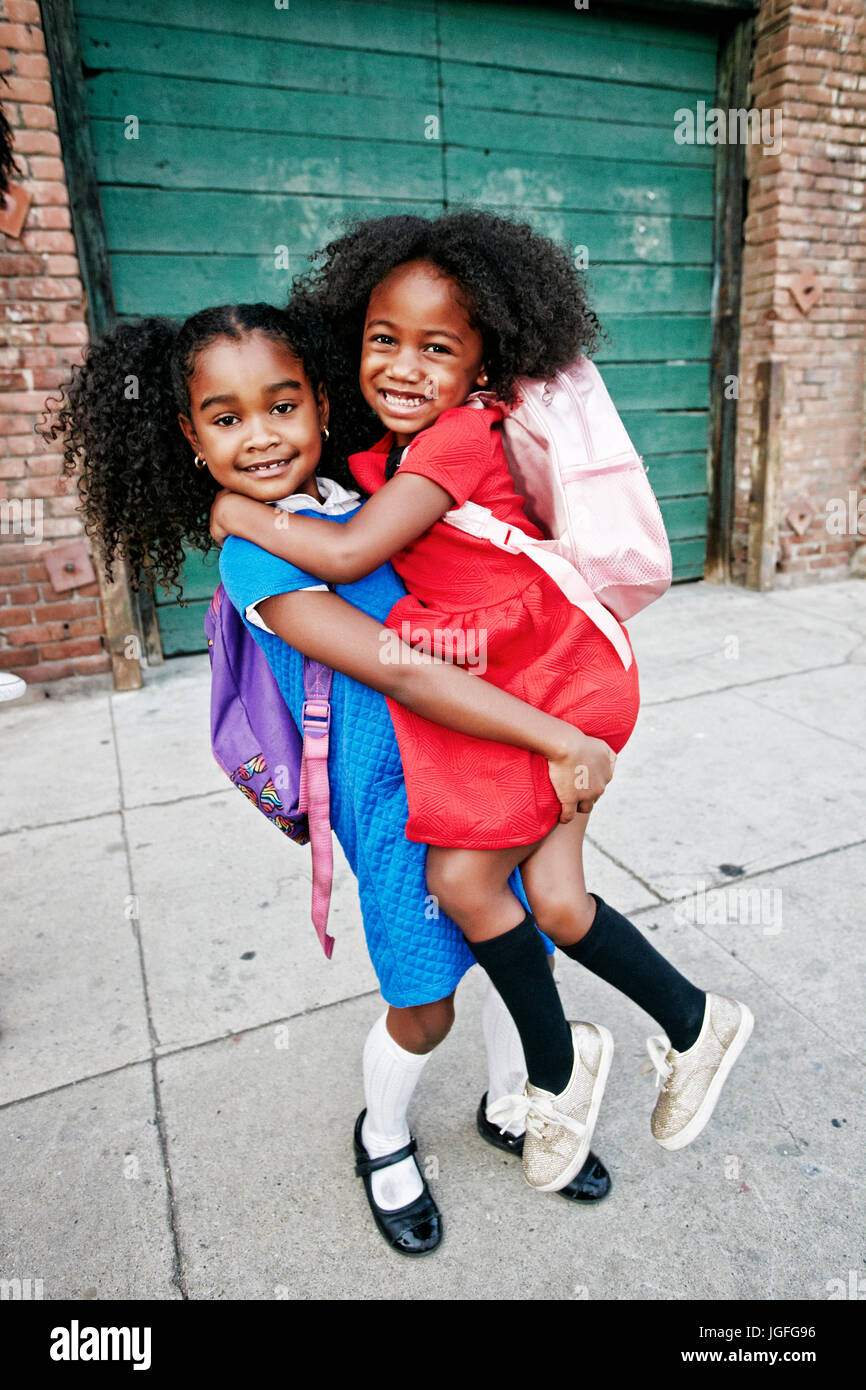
{"x": 315, "y": 793}
{"x": 480, "y": 521}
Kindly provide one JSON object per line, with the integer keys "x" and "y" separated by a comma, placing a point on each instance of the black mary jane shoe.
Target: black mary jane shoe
{"x": 592, "y": 1182}
{"x": 415, "y": 1229}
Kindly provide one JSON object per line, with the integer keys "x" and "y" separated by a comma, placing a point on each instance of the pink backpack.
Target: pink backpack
{"x": 585, "y": 487}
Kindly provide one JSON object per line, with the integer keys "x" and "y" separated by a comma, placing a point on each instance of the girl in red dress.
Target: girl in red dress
{"x": 440, "y": 309}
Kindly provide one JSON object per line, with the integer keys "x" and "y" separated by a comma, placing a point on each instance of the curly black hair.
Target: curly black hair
{"x": 141, "y": 497}
{"x": 520, "y": 289}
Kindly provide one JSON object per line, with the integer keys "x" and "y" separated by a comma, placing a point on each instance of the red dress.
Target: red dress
{"x": 469, "y": 792}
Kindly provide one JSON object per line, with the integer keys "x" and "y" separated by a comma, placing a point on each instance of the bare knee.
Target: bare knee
{"x": 456, "y": 889}
{"x": 421, "y": 1027}
{"x": 564, "y": 917}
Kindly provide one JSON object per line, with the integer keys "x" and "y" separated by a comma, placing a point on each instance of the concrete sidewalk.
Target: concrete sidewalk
{"x": 181, "y": 1066}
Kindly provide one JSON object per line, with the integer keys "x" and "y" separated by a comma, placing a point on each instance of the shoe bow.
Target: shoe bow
{"x": 658, "y": 1048}
{"x": 535, "y": 1111}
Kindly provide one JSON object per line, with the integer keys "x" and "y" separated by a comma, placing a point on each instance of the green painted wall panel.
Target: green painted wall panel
{"x": 390, "y": 25}
{"x": 660, "y": 338}
{"x": 180, "y": 220}
{"x": 118, "y": 47}
{"x": 677, "y": 475}
{"x": 684, "y": 517}
{"x": 279, "y": 110}
{"x": 544, "y": 93}
{"x": 520, "y": 39}
{"x": 490, "y": 27}
{"x": 688, "y": 558}
{"x": 174, "y": 157}
{"x": 574, "y": 181}
{"x": 182, "y": 628}
{"x": 201, "y": 576}
{"x": 666, "y": 432}
{"x": 597, "y": 135}
{"x": 139, "y": 219}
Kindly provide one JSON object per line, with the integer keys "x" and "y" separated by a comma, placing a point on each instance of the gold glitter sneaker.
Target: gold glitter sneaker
{"x": 559, "y": 1128}
{"x": 691, "y": 1082}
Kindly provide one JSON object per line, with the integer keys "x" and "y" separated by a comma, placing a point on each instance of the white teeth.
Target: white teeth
{"x": 403, "y": 400}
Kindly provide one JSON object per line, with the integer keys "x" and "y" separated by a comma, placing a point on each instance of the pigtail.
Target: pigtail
{"x": 142, "y": 498}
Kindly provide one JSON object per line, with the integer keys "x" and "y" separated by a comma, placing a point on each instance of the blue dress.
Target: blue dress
{"x": 418, "y": 953}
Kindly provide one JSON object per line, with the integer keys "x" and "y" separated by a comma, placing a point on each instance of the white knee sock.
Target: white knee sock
{"x": 505, "y": 1061}
{"x": 390, "y": 1076}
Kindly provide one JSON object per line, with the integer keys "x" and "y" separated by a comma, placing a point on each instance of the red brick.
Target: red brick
{"x": 15, "y": 617}
{"x": 62, "y": 265}
{"x": 43, "y": 287}
{"x": 13, "y": 381}
{"x": 33, "y": 401}
{"x": 10, "y": 574}
{"x": 62, "y": 242}
{"x": 24, "y": 593}
{"x": 66, "y": 333}
{"x": 22, "y": 333}
{"x": 50, "y": 671}
{"x": 34, "y": 634}
{"x": 38, "y": 117}
{"x": 11, "y": 658}
{"x": 79, "y": 646}
{"x": 86, "y": 627}
{"x": 36, "y": 356}
{"x": 14, "y": 263}
{"x": 49, "y": 216}
{"x": 92, "y": 665}
{"x": 23, "y": 444}
{"x": 23, "y": 11}
{"x": 32, "y": 65}
{"x": 47, "y": 167}
{"x": 43, "y": 467}
{"x": 69, "y": 610}
{"x": 21, "y": 36}
{"x": 31, "y": 89}
{"x": 19, "y": 316}
{"x": 61, "y": 526}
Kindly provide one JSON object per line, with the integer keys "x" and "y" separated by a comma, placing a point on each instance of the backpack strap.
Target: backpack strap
{"x": 480, "y": 522}
{"x": 315, "y": 794}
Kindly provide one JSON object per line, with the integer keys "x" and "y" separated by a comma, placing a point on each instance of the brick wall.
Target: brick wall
{"x": 806, "y": 208}
{"x": 43, "y": 634}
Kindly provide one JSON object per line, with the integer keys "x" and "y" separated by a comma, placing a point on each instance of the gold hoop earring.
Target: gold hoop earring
{"x": 326, "y": 433}
{"x": 200, "y": 462}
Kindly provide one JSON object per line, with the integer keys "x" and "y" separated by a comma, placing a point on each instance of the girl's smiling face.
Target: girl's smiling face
{"x": 254, "y": 417}
{"x": 420, "y": 354}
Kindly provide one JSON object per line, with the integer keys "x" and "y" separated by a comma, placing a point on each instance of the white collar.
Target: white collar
{"x": 337, "y": 500}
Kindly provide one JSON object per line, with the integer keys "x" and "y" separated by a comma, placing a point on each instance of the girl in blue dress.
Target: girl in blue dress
{"x": 245, "y": 385}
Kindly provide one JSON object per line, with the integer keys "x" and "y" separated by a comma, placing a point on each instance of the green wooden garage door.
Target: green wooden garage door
{"x": 260, "y": 128}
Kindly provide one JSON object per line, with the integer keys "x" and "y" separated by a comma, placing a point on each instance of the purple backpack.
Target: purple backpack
{"x": 257, "y": 744}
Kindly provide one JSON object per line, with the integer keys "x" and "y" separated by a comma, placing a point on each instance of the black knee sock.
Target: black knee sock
{"x": 517, "y": 964}
{"x": 615, "y": 950}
